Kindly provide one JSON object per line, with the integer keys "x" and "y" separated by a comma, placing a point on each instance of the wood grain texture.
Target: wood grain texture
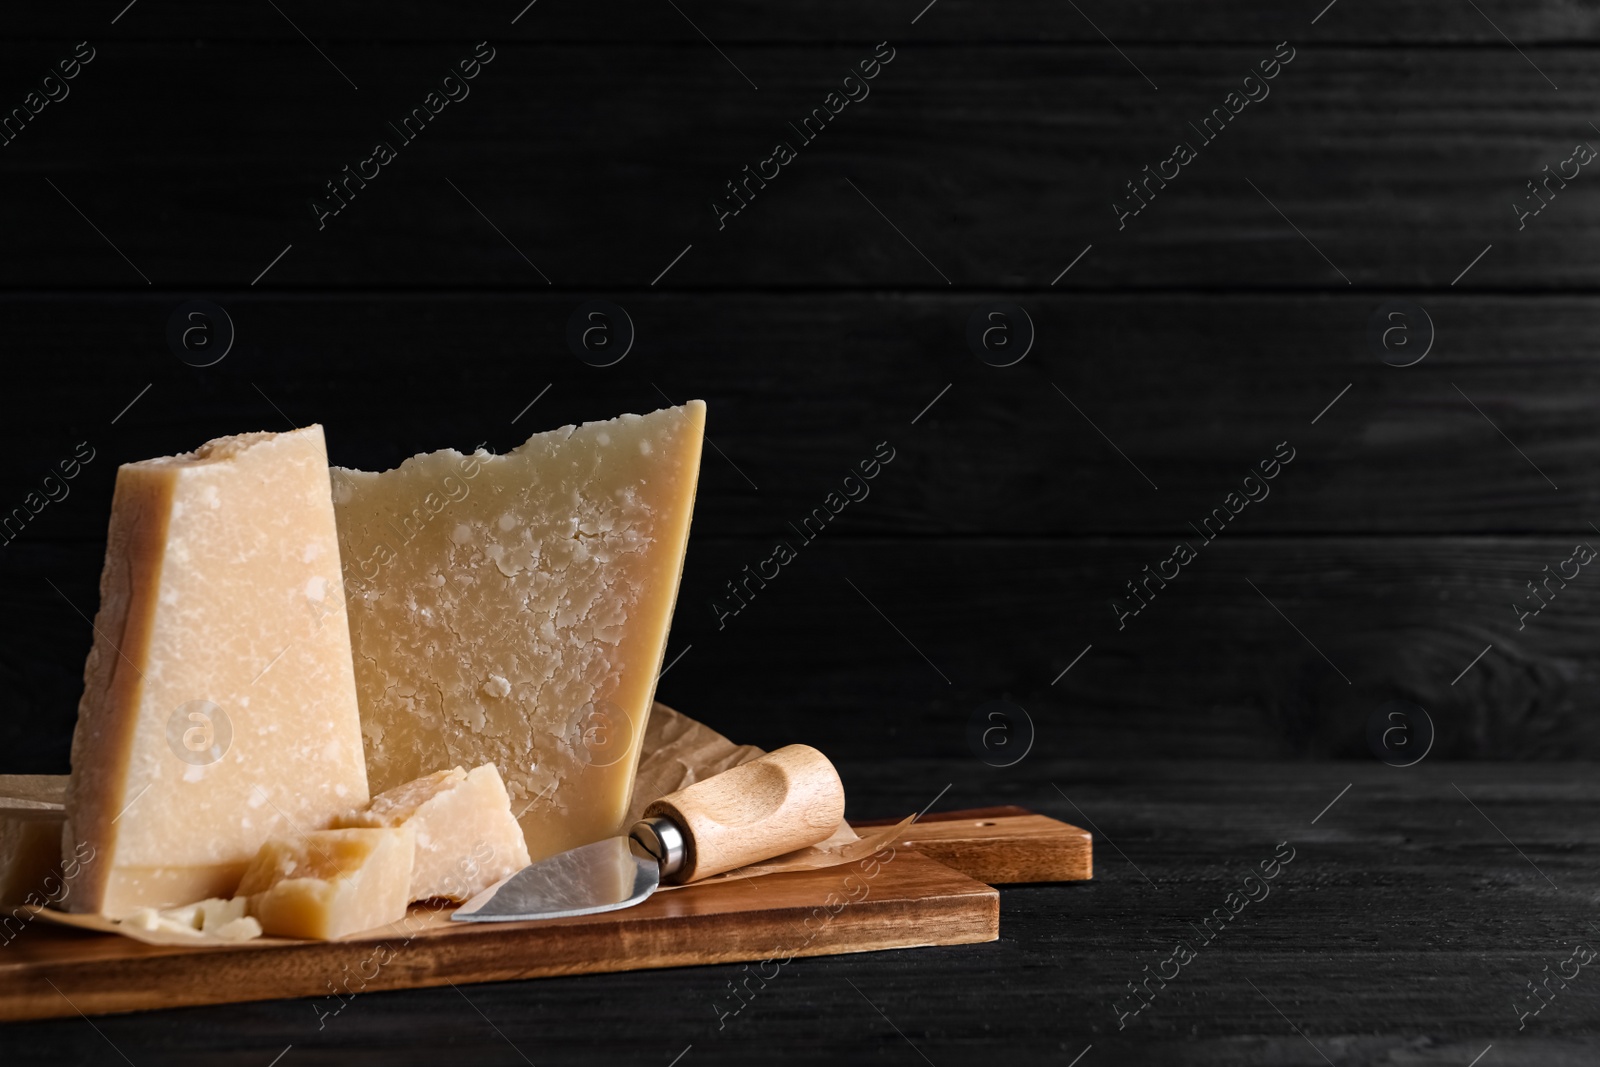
{"x": 1194, "y": 389}
{"x": 788, "y": 799}
{"x": 1006, "y": 844}
{"x": 1402, "y": 933}
{"x": 38, "y": 792}
{"x": 1172, "y": 23}
{"x": 910, "y": 901}
{"x": 1421, "y": 900}
{"x": 1212, "y": 668}
{"x": 1002, "y": 845}
{"x": 1400, "y": 165}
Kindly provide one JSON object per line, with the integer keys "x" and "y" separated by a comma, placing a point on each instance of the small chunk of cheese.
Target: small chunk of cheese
{"x": 514, "y": 610}
{"x": 467, "y": 838}
{"x": 219, "y": 703}
{"x": 330, "y": 883}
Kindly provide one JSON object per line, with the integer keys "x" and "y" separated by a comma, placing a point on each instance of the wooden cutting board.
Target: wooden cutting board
{"x": 910, "y": 900}
{"x": 1001, "y": 846}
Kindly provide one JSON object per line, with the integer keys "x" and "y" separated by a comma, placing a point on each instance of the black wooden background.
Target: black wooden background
{"x": 832, "y": 313}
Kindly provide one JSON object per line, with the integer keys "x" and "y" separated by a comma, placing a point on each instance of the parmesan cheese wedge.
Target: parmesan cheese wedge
{"x": 467, "y": 839}
{"x": 219, "y": 701}
{"x": 514, "y": 610}
{"x": 329, "y": 883}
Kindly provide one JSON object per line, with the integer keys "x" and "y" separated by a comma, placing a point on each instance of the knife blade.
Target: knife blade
{"x": 776, "y": 803}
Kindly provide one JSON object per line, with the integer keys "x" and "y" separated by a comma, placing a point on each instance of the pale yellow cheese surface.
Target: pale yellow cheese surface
{"x": 219, "y": 701}
{"x": 514, "y": 610}
{"x": 330, "y": 883}
{"x": 214, "y": 919}
{"x": 467, "y": 838}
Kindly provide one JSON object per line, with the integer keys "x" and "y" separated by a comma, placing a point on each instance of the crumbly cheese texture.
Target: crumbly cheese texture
{"x": 514, "y": 610}
{"x": 219, "y": 703}
{"x": 328, "y": 884}
{"x": 467, "y": 838}
{"x": 216, "y": 919}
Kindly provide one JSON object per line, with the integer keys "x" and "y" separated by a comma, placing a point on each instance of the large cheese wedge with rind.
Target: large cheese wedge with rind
{"x": 219, "y": 701}
{"x": 513, "y": 610}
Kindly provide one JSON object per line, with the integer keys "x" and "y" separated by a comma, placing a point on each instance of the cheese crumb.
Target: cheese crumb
{"x": 217, "y": 918}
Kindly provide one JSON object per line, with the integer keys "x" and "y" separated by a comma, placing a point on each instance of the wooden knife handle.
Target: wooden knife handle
{"x": 779, "y": 802}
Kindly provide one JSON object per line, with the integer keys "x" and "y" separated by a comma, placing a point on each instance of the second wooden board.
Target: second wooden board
{"x": 1001, "y": 845}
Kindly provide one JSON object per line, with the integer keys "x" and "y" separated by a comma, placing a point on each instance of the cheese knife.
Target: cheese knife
{"x": 774, "y": 804}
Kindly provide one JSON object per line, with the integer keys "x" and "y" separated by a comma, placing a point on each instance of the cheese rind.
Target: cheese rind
{"x": 467, "y": 838}
{"x": 219, "y": 698}
{"x": 330, "y": 883}
{"x": 514, "y": 609}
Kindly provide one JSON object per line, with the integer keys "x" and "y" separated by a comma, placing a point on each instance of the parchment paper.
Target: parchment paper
{"x": 677, "y": 751}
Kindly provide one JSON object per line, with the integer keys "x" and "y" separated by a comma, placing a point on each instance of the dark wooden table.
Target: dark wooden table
{"x": 1175, "y": 348}
{"x": 1417, "y": 905}
{"x": 1230, "y": 315}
